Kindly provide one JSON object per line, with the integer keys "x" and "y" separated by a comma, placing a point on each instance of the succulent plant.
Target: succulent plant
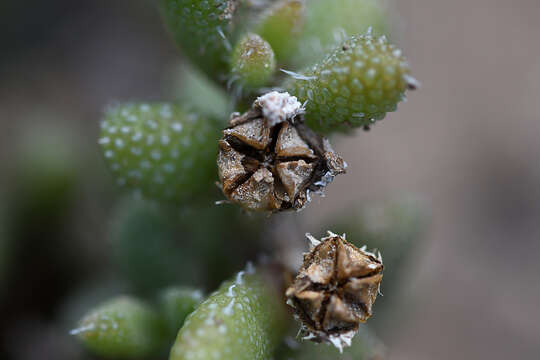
{"x": 269, "y": 155}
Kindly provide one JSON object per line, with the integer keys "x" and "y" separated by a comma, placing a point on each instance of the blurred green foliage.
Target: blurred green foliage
{"x": 146, "y": 249}
{"x": 45, "y": 174}
{"x": 155, "y": 245}
{"x": 283, "y": 19}
{"x": 330, "y": 22}
{"x": 196, "y": 93}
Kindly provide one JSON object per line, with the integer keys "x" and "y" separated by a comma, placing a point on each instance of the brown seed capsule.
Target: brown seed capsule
{"x": 270, "y": 161}
{"x": 335, "y": 289}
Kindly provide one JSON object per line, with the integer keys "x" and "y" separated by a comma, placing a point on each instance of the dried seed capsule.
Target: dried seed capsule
{"x": 270, "y": 161}
{"x": 396, "y": 228}
{"x": 335, "y": 289}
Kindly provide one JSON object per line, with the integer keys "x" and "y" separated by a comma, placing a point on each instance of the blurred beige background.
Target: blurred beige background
{"x": 466, "y": 144}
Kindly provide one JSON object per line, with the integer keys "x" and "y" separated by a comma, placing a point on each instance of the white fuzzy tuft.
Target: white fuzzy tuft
{"x": 297, "y": 76}
{"x": 412, "y": 83}
{"x": 83, "y": 329}
{"x": 342, "y": 340}
{"x": 278, "y": 107}
{"x": 313, "y": 242}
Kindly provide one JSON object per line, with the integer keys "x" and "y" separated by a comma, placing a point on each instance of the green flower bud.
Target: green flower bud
{"x": 160, "y": 150}
{"x": 252, "y": 61}
{"x": 122, "y": 328}
{"x": 202, "y": 28}
{"x": 240, "y": 321}
{"x": 355, "y": 85}
{"x": 281, "y": 25}
{"x": 176, "y": 303}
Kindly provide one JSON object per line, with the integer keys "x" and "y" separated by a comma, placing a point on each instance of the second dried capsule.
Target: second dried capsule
{"x": 335, "y": 289}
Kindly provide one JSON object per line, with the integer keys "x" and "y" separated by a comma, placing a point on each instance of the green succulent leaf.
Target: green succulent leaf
{"x": 240, "y": 321}
{"x": 203, "y": 30}
{"x": 122, "y": 328}
{"x": 355, "y": 85}
{"x": 160, "y": 150}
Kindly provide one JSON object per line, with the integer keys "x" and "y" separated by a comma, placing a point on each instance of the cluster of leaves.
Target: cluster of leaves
{"x": 166, "y": 152}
